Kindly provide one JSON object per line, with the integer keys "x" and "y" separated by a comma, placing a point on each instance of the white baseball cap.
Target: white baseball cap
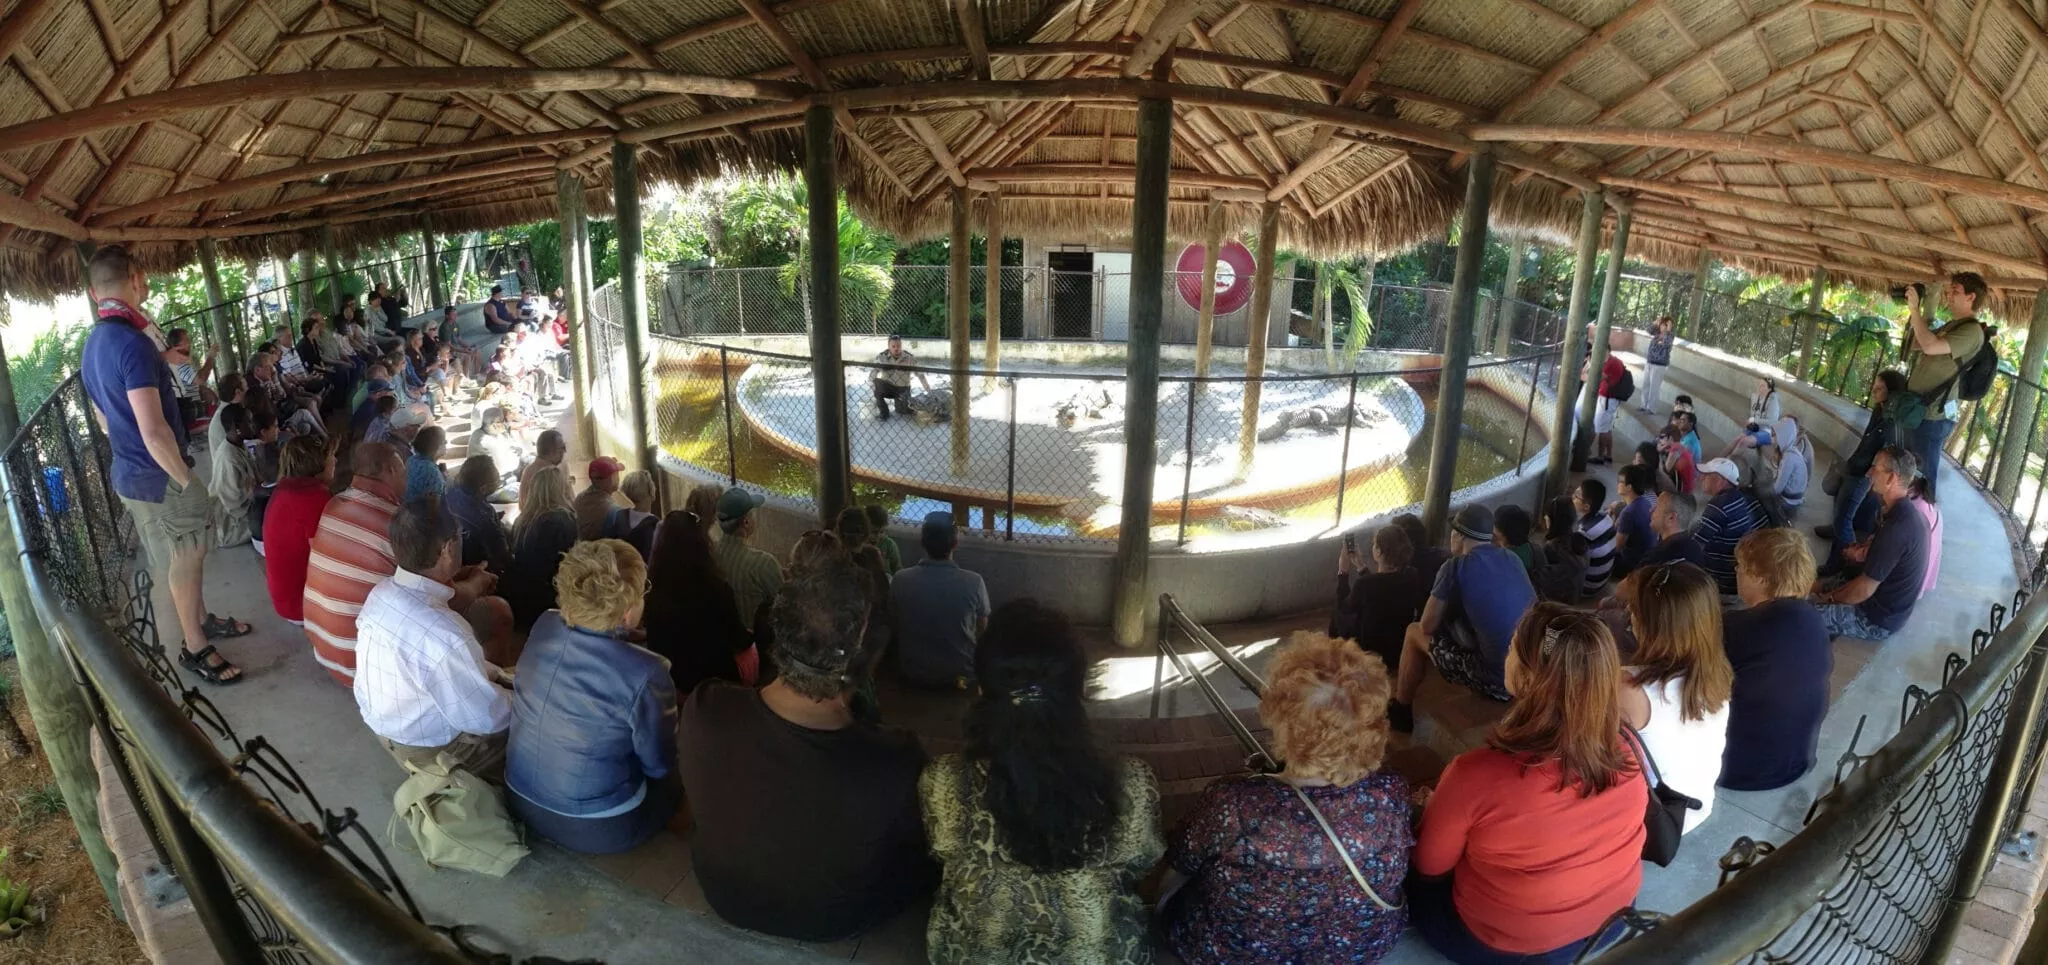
{"x": 1724, "y": 468}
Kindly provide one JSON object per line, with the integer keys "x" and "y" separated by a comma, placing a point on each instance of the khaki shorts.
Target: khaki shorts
{"x": 479, "y": 754}
{"x": 182, "y": 520}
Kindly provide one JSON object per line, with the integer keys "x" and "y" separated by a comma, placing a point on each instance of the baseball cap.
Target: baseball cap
{"x": 736, "y": 503}
{"x": 1724, "y": 468}
{"x": 1474, "y": 522}
{"x": 939, "y": 524}
{"x": 605, "y": 467}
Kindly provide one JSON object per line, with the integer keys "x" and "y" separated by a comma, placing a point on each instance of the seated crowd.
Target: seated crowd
{"x": 603, "y": 663}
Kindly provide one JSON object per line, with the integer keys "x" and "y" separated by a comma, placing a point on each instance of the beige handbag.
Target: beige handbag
{"x": 457, "y": 819}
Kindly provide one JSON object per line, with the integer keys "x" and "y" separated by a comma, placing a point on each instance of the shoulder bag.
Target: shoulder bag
{"x": 1331, "y": 833}
{"x": 1664, "y": 818}
{"x": 457, "y": 819}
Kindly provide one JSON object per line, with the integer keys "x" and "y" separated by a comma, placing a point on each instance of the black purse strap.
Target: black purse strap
{"x": 1643, "y": 758}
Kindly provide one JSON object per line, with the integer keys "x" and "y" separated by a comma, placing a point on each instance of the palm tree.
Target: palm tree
{"x": 776, "y": 211}
{"x": 1356, "y": 282}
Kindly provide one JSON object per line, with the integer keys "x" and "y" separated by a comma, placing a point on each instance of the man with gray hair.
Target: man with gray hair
{"x": 808, "y": 823}
{"x": 1672, "y": 521}
{"x": 753, "y": 574}
{"x": 1887, "y": 568}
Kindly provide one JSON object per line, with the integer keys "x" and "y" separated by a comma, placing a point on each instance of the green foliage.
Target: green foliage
{"x": 15, "y": 914}
{"x": 38, "y": 804}
{"x": 51, "y": 358}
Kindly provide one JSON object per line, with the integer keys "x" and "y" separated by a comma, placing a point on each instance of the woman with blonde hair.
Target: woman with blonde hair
{"x": 1531, "y": 842}
{"x": 545, "y": 530}
{"x": 1307, "y": 864}
{"x": 703, "y": 500}
{"x": 1782, "y": 656}
{"x": 591, "y": 763}
{"x": 1677, "y": 684}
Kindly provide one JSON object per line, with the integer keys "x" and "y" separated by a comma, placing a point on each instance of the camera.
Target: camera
{"x": 1350, "y": 542}
{"x": 1899, "y": 292}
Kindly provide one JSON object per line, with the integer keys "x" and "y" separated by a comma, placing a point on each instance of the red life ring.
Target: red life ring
{"x": 1233, "y": 276}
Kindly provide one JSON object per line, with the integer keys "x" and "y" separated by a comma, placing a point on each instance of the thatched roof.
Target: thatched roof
{"x": 1885, "y": 140}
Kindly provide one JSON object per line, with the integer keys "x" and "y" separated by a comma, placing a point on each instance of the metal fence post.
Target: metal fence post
{"x": 1010, "y": 468}
{"x": 1528, "y": 415}
{"x": 1344, "y": 457}
{"x": 732, "y": 456}
{"x": 83, "y": 506}
{"x": 1187, "y": 452}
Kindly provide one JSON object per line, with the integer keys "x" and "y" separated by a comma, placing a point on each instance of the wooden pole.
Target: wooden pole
{"x": 1700, "y": 276}
{"x": 1510, "y": 286}
{"x": 1610, "y": 292}
{"x": 64, "y": 723}
{"x": 821, "y": 186}
{"x": 1255, "y": 328}
{"x": 1131, "y": 605}
{"x": 2025, "y": 412}
{"x": 633, "y": 307}
{"x": 1561, "y": 421}
{"x": 1457, "y": 353}
{"x": 223, "y": 334}
{"x": 1205, "y": 326}
{"x": 1814, "y": 295}
{"x": 333, "y": 269}
{"x": 959, "y": 307}
{"x": 437, "y": 286}
{"x": 992, "y": 285}
{"x": 568, "y": 210}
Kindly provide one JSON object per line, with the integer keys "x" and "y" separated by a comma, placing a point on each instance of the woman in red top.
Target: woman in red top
{"x": 293, "y": 517}
{"x": 1530, "y": 843}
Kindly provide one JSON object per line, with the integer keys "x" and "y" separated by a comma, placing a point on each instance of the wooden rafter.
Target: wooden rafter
{"x": 1369, "y": 69}
{"x": 1160, "y": 34}
{"x": 1586, "y": 48}
{"x": 338, "y": 195}
{"x": 1361, "y": 184}
{"x": 16, "y": 24}
{"x": 1992, "y": 102}
{"x": 1852, "y": 44}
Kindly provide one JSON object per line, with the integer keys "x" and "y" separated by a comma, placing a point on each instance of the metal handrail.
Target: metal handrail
{"x": 1171, "y": 615}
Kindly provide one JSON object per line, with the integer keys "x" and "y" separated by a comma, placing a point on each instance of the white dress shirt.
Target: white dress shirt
{"x": 421, "y": 676}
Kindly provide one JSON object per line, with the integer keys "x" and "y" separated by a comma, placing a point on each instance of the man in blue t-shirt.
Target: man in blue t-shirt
{"x": 133, "y": 397}
{"x": 1478, "y": 597}
{"x": 1875, "y": 602}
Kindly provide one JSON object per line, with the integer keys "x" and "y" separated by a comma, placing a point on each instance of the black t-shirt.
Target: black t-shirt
{"x": 1376, "y": 608}
{"x": 1678, "y": 546}
{"x": 808, "y": 834}
{"x": 1783, "y": 656}
{"x": 1898, "y": 562}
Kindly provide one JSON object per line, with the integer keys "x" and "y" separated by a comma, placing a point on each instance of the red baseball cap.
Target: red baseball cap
{"x": 605, "y": 467}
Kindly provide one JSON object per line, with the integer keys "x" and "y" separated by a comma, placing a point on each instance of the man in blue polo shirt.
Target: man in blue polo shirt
{"x": 133, "y": 396}
{"x": 1890, "y": 566}
{"x": 1479, "y": 596}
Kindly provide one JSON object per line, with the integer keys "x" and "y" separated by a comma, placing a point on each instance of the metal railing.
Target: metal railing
{"x": 1173, "y": 619}
{"x": 274, "y": 874}
{"x": 1042, "y": 443}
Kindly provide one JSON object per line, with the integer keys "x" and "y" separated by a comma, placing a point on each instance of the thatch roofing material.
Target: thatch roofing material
{"x": 1881, "y": 139}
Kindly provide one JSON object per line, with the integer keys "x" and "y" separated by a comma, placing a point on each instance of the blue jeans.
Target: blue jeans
{"x": 1925, "y": 443}
{"x": 1432, "y": 912}
{"x": 1854, "y": 489}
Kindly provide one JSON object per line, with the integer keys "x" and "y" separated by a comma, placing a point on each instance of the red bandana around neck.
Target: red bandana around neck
{"x": 116, "y": 308}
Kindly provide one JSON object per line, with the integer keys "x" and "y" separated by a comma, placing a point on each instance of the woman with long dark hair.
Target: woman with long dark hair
{"x": 1043, "y": 835}
{"x": 692, "y": 618}
{"x": 1531, "y": 842}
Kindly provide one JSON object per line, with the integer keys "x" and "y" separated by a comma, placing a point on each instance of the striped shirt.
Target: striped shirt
{"x": 1598, "y": 529}
{"x": 351, "y": 555}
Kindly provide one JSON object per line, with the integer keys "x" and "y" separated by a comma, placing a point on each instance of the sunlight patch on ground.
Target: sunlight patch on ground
{"x": 1120, "y": 677}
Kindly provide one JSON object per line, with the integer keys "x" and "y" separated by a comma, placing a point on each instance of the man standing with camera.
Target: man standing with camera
{"x": 1935, "y": 360}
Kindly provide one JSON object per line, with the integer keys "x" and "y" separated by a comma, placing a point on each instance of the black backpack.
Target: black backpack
{"x": 1973, "y": 380}
{"x": 1623, "y": 387}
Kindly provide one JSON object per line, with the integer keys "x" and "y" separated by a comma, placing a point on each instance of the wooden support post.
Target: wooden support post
{"x": 437, "y": 287}
{"x": 1610, "y": 292}
{"x": 63, "y": 720}
{"x": 1700, "y": 277}
{"x": 633, "y": 307}
{"x": 309, "y": 269}
{"x": 992, "y": 287}
{"x": 1205, "y": 326}
{"x": 1457, "y": 353}
{"x": 568, "y": 211}
{"x": 333, "y": 254}
{"x": 959, "y": 307}
{"x": 1255, "y": 334}
{"x": 1588, "y": 253}
{"x": 1503, "y": 343}
{"x": 224, "y": 316}
{"x": 1131, "y": 606}
{"x": 2025, "y": 412}
{"x": 821, "y": 185}
{"x": 1815, "y": 295}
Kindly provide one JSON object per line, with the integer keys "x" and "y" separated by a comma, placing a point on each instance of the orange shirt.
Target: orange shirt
{"x": 1536, "y": 868}
{"x": 351, "y": 555}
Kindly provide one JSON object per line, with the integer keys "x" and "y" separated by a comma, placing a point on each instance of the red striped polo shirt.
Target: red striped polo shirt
{"x": 351, "y": 554}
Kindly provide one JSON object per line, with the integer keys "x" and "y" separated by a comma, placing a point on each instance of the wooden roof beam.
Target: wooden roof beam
{"x": 1361, "y": 184}
{"x": 1758, "y": 228}
{"x": 975, "y": 35}
{"x": 1118, "y": 174}
{"x": 1586, "y": 48}
{"x": 1999, "y": 115}
{"x": 777, "y": 32}
{"x": 309, "y": 202}
{"x": 171, "y": 103}
{"x": 921, "y": 130}
{"x": 16, "y": 24}
{"x": 1369, "y": 69}
{"x": 472, "y": 37}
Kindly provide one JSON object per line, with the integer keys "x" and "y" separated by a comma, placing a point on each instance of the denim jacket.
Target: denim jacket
{"x": 594, "y": 718}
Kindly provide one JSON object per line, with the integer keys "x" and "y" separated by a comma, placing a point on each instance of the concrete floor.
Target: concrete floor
{"x": 643, "y": 907}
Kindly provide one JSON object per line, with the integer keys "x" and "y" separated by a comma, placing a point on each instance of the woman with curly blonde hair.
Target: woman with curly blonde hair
{"x": 591, "y": 764}
{"x": 1307, "y": 864}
